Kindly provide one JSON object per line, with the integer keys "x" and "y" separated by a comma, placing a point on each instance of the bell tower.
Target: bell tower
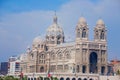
{"x": 82, "y": 30}
{"x": 100, "y": 31}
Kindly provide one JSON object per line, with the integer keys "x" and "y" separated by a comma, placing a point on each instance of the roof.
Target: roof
{"x": 66, "y": 44}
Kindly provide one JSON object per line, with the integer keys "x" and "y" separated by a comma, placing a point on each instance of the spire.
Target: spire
{"x": 55, "y": 18}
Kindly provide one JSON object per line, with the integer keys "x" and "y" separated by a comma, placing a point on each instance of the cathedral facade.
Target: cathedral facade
{"x": 53, "y": 54}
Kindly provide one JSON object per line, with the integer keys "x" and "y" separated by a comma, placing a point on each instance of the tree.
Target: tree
{"x": 118, "y": 72}
{"x": 51, "y": 78}
{"x": 41, "y": 78}
{"x": 46, "y": 78}
{"x": 9, "y": 78}
{"x": 25, "y": 78}
{"x": 55, "y": 78}
{"x": 1, "y": 78}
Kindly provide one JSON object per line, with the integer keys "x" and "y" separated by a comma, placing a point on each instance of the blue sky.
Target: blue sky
{"x": 21, "y": 21}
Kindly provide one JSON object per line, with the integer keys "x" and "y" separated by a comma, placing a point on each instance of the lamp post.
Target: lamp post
{"x": 33, "y": 76}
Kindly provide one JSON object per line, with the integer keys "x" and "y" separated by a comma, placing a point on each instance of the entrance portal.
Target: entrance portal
{"x": 93, "y": 62}
{"x": 42, "y": 69}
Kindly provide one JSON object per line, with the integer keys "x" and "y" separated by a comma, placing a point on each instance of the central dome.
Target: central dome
{"x": 54, "y": 29}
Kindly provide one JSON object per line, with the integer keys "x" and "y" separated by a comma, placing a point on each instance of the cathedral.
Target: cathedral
{"x": 53, "y": 54}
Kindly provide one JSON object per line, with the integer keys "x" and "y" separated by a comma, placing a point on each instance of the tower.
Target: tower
{"x": 55, "y": 34}
{"x": 82, "y": 30}
{"x": 100, "y": 38}
{"x": 100, "y": 31}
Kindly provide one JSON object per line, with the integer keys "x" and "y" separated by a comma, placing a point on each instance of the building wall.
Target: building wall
{"x": 14, "y": 68}
{"x": 4, "y": 68}
{"x": 72, "y": 76}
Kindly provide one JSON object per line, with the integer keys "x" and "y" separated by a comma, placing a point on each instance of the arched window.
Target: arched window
{"x": 73, "y": 79}
{"x": 83, "y": 69}
{"x": 42, "y": 69}
{"x": 84, "y": 33}
{"x": 79, "y": 79}
{"x": 78, "y": 68}
{"x": 68, "y": 78}
{"x": 34, "y": 78}
{"x": 102, "y": 35}
{"x": 28, "y": 78}
{"x": 52, "y": 37}
{"x": 32, "y": 55}
{"x": 58, "y": 39}
{"x": 42, "y": 59}
{"x": 41, "y": 46}
{"x": 93, "y": 60}
{"x": 102, "y": 70}
{"x": 61, "y": 78}
{"x": 67, "y": 56}
{"x": 53, "y": 56}
{"x": 60, "y": 56}
{"x": 91, "y": 79}
{"x": 38, "y": 45}
{"x": 85, "y": 79}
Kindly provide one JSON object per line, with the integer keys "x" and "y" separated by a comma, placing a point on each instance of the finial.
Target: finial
{"x": 55, "y": 18}
{"x": 55, "y": 12}
{"x": 100, "y": 17}
{"x": 82, "y": 14}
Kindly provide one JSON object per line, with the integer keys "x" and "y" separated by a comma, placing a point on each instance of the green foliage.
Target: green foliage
{"x": 1, "y": 78}
{"x": 46, "y": 78}
{"x": 118, "y": 72}
{"x": 41, "y": 78}
{"x": 55, "y": 78}
{"x": 8, "y": 78}
{"x": 51, "y": 78}
{"x": 24, "y": 78}
{"x": 16, "y": 79}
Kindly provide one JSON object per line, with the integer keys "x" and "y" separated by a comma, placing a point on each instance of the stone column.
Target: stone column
{"x": 81, "y": 61}
{"x": 99, "y": 62}
{"x": 80, "y": 68}
{"x": 87, "y": 68}
{"x": 87, "y": 59}
{"x": 106, "y": 69}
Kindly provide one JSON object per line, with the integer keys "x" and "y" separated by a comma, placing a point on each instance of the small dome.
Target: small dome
{"x": 100, "y": 22}
{"x": 38, "y": 40}
{"x": 82, "y": 20}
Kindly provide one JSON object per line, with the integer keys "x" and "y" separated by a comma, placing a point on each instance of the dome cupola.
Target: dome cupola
{"x": 55, "y": 34}
{"x": 39, "y": 43}
{"x": 38, "y": 40}
{"x": 54, "y": 29}
{"x": 100, "y": 22}
{"x": 100, "y": 31}
{"x": 82, "y": 29}
{"x": 82, "y": 20}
